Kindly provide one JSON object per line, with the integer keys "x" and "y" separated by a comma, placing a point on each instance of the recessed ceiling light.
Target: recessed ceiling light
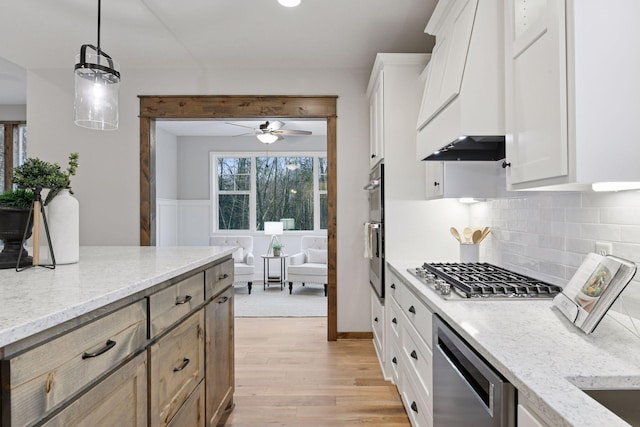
{"x": 289, "y": 3}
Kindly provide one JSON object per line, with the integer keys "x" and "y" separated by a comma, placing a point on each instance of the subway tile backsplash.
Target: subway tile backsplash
{"x": 546, "y": 235}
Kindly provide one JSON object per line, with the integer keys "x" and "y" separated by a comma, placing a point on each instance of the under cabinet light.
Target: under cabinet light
{"x": 615, "y": 186}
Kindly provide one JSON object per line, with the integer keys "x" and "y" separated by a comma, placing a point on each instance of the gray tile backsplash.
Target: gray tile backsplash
{"x": 546, "y": 235}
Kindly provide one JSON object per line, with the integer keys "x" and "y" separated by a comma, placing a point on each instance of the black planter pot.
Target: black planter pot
{"x": 13, "y": 222}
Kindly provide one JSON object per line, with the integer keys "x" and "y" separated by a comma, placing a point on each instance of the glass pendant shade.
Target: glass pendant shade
{"x": 267, "y": 138}
{"x": 97, "y": 86}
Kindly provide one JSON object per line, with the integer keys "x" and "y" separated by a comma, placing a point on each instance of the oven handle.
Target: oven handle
{"x": 374, "y": 226}
{"x": 373, "y": 184}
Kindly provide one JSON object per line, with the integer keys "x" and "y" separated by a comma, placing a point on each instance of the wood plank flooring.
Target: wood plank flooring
{"x": 288, "y": 374}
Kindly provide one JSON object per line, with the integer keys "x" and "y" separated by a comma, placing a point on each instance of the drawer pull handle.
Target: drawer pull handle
{"x": 394, "y": 321}
{"x": 414, "y": 407}
{"x": 184, "y": 364}
{"x": 223, "y": 300}
{"x": 393, "y": 286}
{"x": 412, "y": 310}
{"x": 414, "y": 354}
{"x": 375, "y": 320}
{"x": 184, "y": 300}
{"x": 107, "y": 346}
{"x": 395, "y": 361}
{"x": 224, "y": 276}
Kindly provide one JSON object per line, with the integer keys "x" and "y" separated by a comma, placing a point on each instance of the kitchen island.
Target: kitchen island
{"x": 546, "y": 358}
{"x": 114, "y": 324}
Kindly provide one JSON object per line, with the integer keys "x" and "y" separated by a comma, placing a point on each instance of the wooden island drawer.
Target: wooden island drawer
{"x": 175, "y": 302}
{"x": 39, "y": 380}
{"x": 119, "y": 400}
{"x": 218, "y": 277}
{"x": 192, "y": 412}
{"x": 176, "y": 367}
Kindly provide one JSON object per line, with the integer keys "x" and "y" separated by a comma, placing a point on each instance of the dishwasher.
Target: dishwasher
{"x": 467, "y": 391}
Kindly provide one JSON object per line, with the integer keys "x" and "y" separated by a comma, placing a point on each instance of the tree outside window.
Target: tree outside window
{"x": 291, "y": 189}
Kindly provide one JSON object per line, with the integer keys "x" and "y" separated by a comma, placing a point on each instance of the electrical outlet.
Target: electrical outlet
{"x": 603, "y": 248}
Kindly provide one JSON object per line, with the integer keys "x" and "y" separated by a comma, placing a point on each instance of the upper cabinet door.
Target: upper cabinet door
{"x": 376, "y": 121}
{"x": 448, "y": 59}
{"x": 536, "y": 90}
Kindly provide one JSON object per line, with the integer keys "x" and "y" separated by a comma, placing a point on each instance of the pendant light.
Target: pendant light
{"x": 97, "y": 79}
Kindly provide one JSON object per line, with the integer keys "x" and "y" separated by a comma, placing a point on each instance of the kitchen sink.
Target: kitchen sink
{"x": 624, "y": 403}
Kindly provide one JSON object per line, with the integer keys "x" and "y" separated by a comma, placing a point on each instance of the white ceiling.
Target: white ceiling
{"x": 221, "y": 128}
{"x": 213, "y": 33}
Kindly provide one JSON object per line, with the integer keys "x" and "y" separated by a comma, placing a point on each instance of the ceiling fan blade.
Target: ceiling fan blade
{"x": 244, "y": 134}
{"x": 293, "y": 132}
{"x": 275, "y": 125}
{"x": 242, "y": 126}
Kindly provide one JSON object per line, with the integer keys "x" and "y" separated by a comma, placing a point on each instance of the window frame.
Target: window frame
{"x": 214, "y": 192}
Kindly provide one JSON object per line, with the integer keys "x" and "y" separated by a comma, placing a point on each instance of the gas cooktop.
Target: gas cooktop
{"x": 482, "y": 280}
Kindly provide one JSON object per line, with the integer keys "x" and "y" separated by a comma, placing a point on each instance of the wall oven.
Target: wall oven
{"x": 375, "y": 229}
{"x": 467, "y": 391}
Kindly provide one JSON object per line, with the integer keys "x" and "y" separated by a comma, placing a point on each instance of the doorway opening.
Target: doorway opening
{"x": 153, "y": 108}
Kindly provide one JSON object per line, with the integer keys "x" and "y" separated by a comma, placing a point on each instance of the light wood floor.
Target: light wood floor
{"x": 288, "y": 374}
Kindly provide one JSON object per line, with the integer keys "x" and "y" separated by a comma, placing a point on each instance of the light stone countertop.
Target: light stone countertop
{"x": 541, "y": 353}
{"x": 36, "y": 299}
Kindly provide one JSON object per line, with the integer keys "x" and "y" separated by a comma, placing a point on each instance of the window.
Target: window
{"x": 252, "y": 189}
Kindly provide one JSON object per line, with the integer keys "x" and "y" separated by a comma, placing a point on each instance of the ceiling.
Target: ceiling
{"x": 209, "y": 34}
{"x": 221, "y": 128}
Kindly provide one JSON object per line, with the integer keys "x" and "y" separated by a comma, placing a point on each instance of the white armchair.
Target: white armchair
{"x": 310, "y": 265}
{"x": 243, "y": 263}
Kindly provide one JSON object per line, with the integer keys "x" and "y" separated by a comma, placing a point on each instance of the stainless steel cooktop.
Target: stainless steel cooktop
{"x": 480, "y": 281}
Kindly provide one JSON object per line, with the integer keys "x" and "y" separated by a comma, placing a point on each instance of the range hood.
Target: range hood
{"x": 462, "y": 111}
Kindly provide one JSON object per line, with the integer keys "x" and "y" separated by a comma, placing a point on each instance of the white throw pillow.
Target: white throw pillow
{"x": 317, "y": 256}
{"x": 238, "y": 255}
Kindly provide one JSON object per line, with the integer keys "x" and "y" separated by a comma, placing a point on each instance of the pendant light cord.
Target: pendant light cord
{"x": 99, "y": 8}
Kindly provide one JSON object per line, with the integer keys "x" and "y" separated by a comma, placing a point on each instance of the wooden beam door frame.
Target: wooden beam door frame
{"x": 237, "y": 107}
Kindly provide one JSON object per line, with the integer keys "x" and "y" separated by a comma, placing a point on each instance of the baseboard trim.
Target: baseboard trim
{"x": 355, "y": 335}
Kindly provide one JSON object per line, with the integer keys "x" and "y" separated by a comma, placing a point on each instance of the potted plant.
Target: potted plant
{"x": 14, "y": 217}
{"x": 277, "y": 247}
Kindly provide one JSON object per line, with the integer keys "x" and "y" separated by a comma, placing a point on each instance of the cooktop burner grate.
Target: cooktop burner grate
{"x": 487, "y": 280}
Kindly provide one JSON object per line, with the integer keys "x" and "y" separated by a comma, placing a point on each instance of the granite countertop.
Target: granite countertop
{"x": 541, "y": 353}
{"x": 37, "y": 299}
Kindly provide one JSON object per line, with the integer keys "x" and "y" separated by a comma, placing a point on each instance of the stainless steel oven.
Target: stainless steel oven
{"x": 375, "y": 228}
{"x": 467, "y": 391}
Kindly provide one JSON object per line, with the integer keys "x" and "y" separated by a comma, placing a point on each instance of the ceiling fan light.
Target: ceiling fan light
{"x": 267, "y": 138}
{"x": 289, "y": 3}
{"x": 97, "y": 86}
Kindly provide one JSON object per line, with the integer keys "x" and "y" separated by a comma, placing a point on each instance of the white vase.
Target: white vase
{"x": 63, "y": 217}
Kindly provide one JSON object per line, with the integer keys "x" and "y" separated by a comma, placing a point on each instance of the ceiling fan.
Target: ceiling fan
{"x": 270, "y": 132}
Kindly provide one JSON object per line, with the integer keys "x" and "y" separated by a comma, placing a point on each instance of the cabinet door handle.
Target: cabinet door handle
{"x": 394, "y": 321}
{"x": 414, "y": 354}
{"x": 505, "y": 164}
{"x": 107, "y": 346}
{"x": 436, "y": 183}
{"x": 412, "y": 310}
{"x": 223, "y": 300}
{"x": 375, "y": 319}
{"x": 414, "y": 407}
{"x": 373, "y": 156}
{"x": 184, "y": 300}
{"x": 224, "y": 276}
{"x": 395, "y": 361}
{"x": 393, "y": 286}
{"x": 183, "y": 365}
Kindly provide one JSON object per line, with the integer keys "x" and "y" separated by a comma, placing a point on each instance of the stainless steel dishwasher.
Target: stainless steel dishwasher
{"x": 467, "y": 391}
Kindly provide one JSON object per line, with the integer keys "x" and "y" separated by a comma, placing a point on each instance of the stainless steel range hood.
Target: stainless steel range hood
{"x": 462, "y": 111}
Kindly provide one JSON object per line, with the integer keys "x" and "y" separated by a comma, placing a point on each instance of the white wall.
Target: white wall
{"x": 107, "y": 183}
{"x": 166, "y": 165}
{"x": 193, "y": 157}
{"x": 10, "y": 113}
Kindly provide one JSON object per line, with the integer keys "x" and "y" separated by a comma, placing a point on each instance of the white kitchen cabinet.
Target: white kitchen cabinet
{"x": 460, "y": 179}
{"x": 394, "y": 95}
{"x": 376, "y": 121}
{"x": 527, "y": 419}
{"x": 572, "y": 93}
{"x": 377, "y": 326}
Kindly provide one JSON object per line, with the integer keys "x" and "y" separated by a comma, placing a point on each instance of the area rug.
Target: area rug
{"x": 305, "y": 301}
